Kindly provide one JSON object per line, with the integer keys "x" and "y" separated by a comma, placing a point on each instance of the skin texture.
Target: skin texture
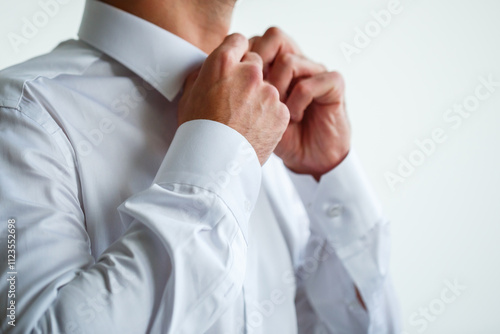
{"x": 203, "y": 23}
{"x": 318, "y": 136}
{"x": 230, "y": 89}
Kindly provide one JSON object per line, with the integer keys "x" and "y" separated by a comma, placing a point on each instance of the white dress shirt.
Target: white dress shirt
{"x": 125, "y": 223}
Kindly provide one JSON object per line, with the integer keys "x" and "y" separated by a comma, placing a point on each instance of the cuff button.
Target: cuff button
{"x": 334, "y": 210}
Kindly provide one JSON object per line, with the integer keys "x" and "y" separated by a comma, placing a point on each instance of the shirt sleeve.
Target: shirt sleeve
{"x": 348, "y": 247}
{"x": 180, "y": 263}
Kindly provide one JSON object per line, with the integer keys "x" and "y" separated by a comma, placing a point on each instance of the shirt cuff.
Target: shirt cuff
{"x": 218, "y": 159}
{"x": 342, "y": 206}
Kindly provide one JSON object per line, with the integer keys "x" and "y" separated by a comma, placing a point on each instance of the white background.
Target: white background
{"x": 430, "y": 56}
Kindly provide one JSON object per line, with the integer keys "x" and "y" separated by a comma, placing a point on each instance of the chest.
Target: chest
{"x": 120, "y": 145}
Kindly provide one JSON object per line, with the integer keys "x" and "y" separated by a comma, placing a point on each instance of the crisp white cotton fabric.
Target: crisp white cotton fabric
{"x": 126, "y": 224}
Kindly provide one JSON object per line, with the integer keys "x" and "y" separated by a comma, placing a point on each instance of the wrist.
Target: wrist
{"x": 317, "y": 170}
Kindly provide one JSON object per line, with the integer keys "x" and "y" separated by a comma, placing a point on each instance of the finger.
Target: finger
{"x": 252, "y": 57}
{"x": 273, "y": 42}
{"x": 288, "y": 67}
{"x": 252, "y": 41}
{"x": 235, "y": 46}
{"x": 323, "y": 88}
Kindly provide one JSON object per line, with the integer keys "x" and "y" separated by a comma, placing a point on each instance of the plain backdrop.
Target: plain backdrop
{"x": 429, "y": 57}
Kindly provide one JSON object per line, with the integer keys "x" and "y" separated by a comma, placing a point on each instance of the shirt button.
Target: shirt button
{"x": 334, "y": 210}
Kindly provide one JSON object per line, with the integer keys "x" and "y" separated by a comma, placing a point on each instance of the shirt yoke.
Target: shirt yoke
{"x": 72, "y": 57}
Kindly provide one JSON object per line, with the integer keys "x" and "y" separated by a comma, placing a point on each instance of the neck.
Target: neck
{"x": 203, "y": 23}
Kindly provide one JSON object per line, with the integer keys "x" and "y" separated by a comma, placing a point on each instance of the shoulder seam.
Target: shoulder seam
{"x": 21, "y": 95}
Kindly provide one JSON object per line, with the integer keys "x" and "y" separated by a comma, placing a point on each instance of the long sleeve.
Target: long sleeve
{"x": 348, "y": 247}
{"x": 181, "y": 261}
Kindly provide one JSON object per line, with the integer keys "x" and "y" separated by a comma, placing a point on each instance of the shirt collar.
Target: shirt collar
{"x": 159, "y": 57}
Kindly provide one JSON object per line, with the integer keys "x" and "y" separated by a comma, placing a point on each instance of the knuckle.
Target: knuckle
{"x": 252, "y": 41}
{"x": 274, "y": 32}
{"x": 254, "y": 73}
{"x": 255, "y": 57}
{"x": 285, "y": 59}
{"x": 271, "y": 92}
{"x": 236, "y": 39}
{"x": 303, "y": 89}
{"x": 225, "y": 58}
{"x": 284, "y": 114}
{"x": 336, "y": 76}
{"x": 255, "y": 54}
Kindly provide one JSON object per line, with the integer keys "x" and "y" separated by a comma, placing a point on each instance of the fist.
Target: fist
{"x": 230, "y": 89}
{"x": 318, "y": 136}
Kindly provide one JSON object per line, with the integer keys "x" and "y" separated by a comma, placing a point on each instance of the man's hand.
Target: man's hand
{"x": 230, "y": 89}
{"x": 318, "y": 136}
